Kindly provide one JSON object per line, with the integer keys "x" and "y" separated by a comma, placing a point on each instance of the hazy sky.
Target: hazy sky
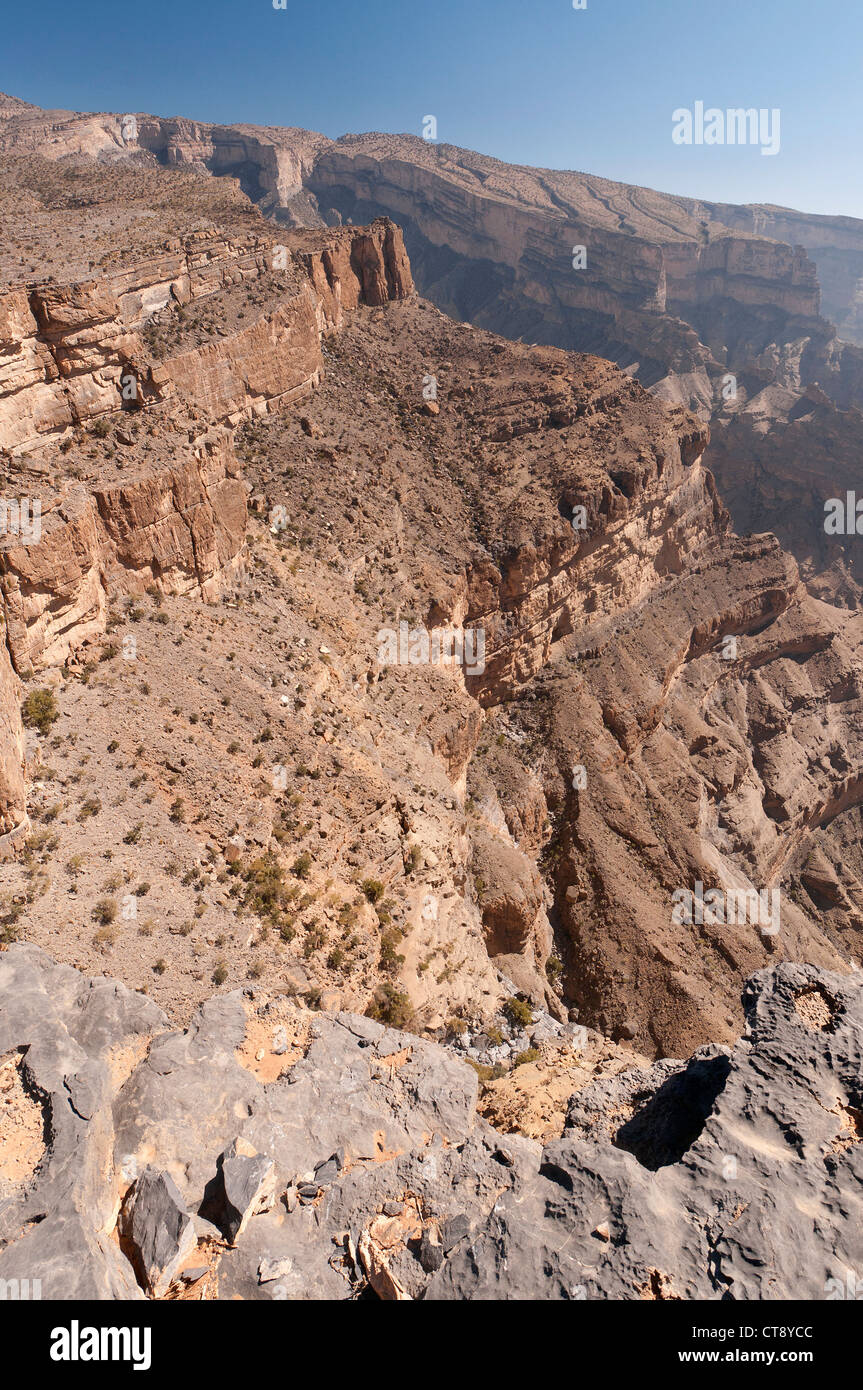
{"x": 530, "y": 81}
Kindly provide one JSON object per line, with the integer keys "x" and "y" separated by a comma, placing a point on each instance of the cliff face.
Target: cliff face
{"x": 658, "y": 702}
{"x": 172, "y": 350}
{"x": 519, "y": 228}
{"x": 835, "y": 244}
{"x": 660, "y": 697}
{"x": 714, "y": 307}
{"x": 179, "y": 528}
{"x": 93, "y": 351}
{"x": 13, "y": 793}
{"x": 74, "y": 352}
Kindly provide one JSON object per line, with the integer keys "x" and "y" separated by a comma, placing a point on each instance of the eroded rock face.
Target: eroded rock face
{"x": 69, "y": 353}
{"x": 180, "y": 528}
{"x": 160, "y": 1115}
{"x": 356, "y": 1160}
{"x": 13, "y": 793}
{"x": 95, "y": 351}
{"x": 730, "y": 1176}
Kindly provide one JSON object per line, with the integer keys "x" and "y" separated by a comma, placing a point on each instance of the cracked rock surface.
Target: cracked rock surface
{"x": 734, "y": 1175}
{"x": 362, "y": 1168}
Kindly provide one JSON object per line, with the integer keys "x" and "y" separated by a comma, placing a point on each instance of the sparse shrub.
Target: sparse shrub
{"x": 530, "y": 1055}
{"x": 220, "y": 974}
{"x": 519, "y": 1012}
{"x": 39, "y": 710}
{"x": 266, "y": 892}
{"x": 553, "y": 969}
{"x": 105, "y": 910}
{"x": 373, "y": 889}
{"x": 391, "y": 959}
{"x": 487, "y": 1073}
{"x": 391, "y": 1006}
{"x": 302, "y": 866}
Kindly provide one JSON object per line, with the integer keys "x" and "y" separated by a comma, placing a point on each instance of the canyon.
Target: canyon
{"x": 750, "y": 316}
{"x": 276, "y": 395}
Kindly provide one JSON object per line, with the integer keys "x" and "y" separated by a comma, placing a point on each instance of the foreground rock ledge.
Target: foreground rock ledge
{"x": 365, "y": 1167}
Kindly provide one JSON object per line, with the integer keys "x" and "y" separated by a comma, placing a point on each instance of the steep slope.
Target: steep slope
{"x": 715, "y": 307}
{"x": 635, "y": 701}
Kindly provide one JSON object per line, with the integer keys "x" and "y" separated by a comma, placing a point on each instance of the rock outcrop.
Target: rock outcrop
{"x": 180, "y": 528}
{"x": 71, "y": 353}
{"x": 215, "y": 326}
{"x": 273, "y": 1153}
{"x": 735, "y": 1175}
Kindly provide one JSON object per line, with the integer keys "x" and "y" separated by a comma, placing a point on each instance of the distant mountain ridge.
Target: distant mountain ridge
{"x": 751, "y": 316}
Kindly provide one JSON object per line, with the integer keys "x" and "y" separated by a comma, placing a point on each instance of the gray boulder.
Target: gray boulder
{"x": 158, "y": 1228}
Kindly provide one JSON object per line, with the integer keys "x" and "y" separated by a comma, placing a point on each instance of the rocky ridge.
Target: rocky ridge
{"x": 445, "y": 857}
{"x": 272, "y": 1153}
{"x": 319, "y": 456}
{"x": 748, "y": 316}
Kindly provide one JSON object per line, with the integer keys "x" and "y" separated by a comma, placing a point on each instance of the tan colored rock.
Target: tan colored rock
{"x": 13, "y": 804}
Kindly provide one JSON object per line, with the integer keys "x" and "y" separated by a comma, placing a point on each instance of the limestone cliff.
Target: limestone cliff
{"x": 13, "y": 798}
{"x": 91, "y": 351}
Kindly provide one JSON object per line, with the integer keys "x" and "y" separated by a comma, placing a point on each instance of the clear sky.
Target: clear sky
{"x": 530, "y": 81}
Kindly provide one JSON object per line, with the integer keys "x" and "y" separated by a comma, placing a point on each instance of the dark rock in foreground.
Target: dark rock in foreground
{"x": 758, "y": 1197}
{"x": 362, "y": 1165}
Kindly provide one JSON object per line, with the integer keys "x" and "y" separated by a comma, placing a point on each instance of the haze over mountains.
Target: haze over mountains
{"x": 275, "y": 396}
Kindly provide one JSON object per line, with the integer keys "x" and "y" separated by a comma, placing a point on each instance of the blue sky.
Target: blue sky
{"x": 530, "y": 81}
